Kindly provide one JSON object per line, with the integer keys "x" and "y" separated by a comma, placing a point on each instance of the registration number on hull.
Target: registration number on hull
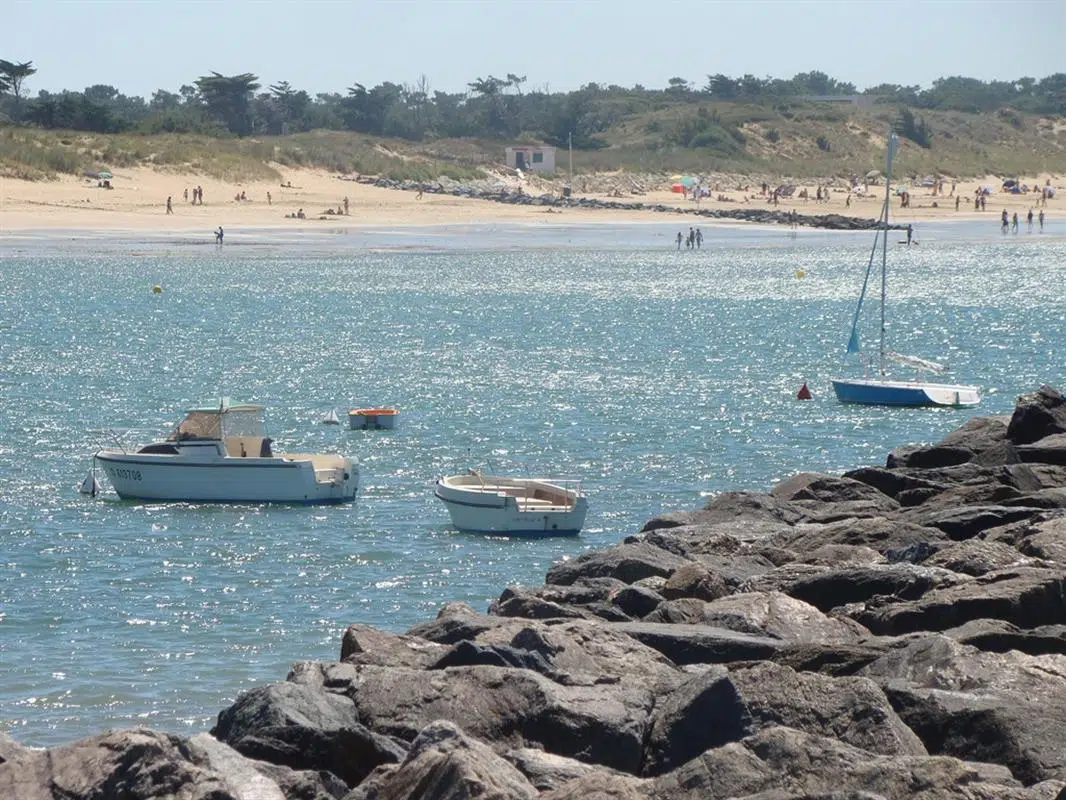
{"x": 123, "y": 474}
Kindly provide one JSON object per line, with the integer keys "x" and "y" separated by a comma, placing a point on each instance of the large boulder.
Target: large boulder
{"x": 700, "y": 644}
{"x": 976, "y": 557}
{"x": 694, "y": 580}
{"x": 831, "y": 589}
{"x": 1036, "y": 415}
{"x": 1025, "y": 596}
{"x": 363, "y": 644}
{"x": 1002, "y": 708}
{"x": 446, "y": 764}
{"x": 749, "y": 507}
{"x": 141, "y": 764}
{"x": 879, "y": 533}
{"x": 780, "y": 763}
{"x": 628, "y": 563}
{"x": 604, "y": 723}
{"x": 304, "y": 727}
{"x": 782, "y": 617}
{"x": 716, "y": 708}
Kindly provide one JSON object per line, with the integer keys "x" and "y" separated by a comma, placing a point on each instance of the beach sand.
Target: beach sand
{"x": 137, "y": 202}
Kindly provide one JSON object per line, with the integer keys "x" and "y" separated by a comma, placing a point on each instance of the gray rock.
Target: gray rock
{"x": 466, "y": 654}
{"x": 1036, "y": 415}
{"x": 302, "y": 727}
{"x": 601, "y": 723}
{"x": 1046, "y": 539}
{"x": 1001, "y": 708}
{"x": 547, "y": 771}
{"x": 626, "y": 562}
{"x": 749, "y": 506}
{"x": 879, "y": 533}
{"x": 1024, "y": 596}
{"x": 831, "y": 589}
{"x": 782, "y": 617}
{"x": 141, "y": 764}
{"x": 1048, "y": 450}
{"x": 636, "y": 601}
{"x": 699, "y": 644}
{"x": 976, "y": 557}
{"x": 997, "y": 636}
{"x": 714, "y": 709}
{"x": 446, "y": 764}
{"x": 365, "y": 645}
{"x": 694, "y": 580}
{"x": 809, "y": 765}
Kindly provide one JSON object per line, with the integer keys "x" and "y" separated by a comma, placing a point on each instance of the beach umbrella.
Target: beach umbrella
{"x": 688, "y": 180}
{"x": 675, "y": 178}
{"x": 104, "y": 175}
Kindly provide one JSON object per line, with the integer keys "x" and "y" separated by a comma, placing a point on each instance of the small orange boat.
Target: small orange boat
{"x": 361, "y": 419}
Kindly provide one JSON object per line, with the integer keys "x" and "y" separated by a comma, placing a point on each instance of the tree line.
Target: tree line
{"x": 491, "y": 107}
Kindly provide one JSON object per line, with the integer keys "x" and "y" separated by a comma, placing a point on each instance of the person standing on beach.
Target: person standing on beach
{"x": 680, "y": 236}
{"x": 699, "y": 239}
{"x": 910, "y": 234}
{"x": 1014, "y": 222}
{"x": 171, "y": 210}
{"x": 185, "y": 195}
{"x": 1041, "y": 218}
{"x": 345, "y": 205}
{"x": 269, "y": 201}
{"x": 957, "y": 199}
{"x": 218, "y": 235}
{"x": 1029, "y": 219}
{"x": 1004, "y": 220}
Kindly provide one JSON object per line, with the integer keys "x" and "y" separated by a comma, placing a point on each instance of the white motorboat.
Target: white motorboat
{"x": 481, "y": 503}
{"x": 221, "y": 454}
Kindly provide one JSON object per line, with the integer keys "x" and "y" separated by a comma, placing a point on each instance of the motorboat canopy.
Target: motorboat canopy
{"x": 217, "y": 422}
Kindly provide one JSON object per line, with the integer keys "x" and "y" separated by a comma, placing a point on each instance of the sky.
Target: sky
{"x": 139, "y": 46}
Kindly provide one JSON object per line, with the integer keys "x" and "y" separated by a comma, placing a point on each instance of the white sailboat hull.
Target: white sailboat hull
{"x": 874, "y": 391}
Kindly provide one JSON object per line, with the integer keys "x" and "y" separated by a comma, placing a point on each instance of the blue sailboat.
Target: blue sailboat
{"x": 879, "y": 389}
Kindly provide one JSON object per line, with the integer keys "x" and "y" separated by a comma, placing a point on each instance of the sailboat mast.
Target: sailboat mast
{"x": 892, "y": 144}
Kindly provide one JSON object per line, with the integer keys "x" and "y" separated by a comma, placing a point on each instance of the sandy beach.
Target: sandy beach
{"x": 138, "y": 197}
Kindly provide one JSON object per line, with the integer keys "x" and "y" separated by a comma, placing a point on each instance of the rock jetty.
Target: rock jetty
{"x": 892, "y": 633}
{"x": 486, "y": 190}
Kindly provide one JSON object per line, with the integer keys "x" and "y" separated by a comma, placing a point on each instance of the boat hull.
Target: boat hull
{"x": 871, "y": 391}
{"x": 163, "y": 478}
{"x": 485, "y": 510}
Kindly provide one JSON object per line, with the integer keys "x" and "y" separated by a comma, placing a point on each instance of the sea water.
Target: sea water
{"x": 658, "y": 377}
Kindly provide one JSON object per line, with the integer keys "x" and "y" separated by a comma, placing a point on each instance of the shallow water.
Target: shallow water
{"x": 658, "y": 377}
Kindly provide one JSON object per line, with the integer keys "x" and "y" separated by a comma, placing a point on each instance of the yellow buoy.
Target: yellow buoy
{"x": 157, "y": 289}
{"x": 801, "y": 274}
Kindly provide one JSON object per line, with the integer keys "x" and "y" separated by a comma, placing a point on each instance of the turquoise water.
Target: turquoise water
{"x": 658, "y": 377}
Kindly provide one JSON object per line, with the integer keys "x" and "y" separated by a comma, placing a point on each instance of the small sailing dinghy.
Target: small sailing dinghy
{"x": 880, "y": 389}
{"x": 330, "y": 418}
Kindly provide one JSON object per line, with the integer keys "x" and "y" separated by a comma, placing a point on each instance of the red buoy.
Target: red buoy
{"x": 804, "y": 393}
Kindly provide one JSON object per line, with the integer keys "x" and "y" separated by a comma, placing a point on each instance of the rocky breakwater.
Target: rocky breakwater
{"x": 895, "y": 632}
{"x": 495, "y": 192}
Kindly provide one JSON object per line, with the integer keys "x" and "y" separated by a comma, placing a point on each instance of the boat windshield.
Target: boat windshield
{"x": 216, "y": 424}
